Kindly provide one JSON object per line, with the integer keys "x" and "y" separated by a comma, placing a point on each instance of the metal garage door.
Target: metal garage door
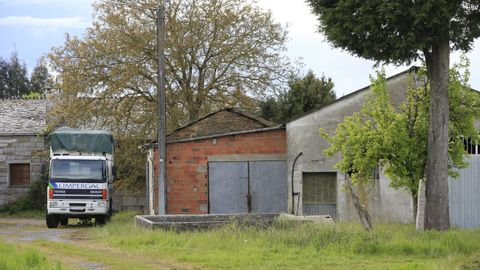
{"x": 464, "y": 199}
{"x": 247, "y": 187}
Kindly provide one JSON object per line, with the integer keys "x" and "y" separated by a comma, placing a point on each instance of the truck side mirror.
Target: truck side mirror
{"x": 114, "y": 171}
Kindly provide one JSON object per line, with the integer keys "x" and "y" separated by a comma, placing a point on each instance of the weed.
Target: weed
{"x": 13, "y": 257}
{"x": 287, "y": 245}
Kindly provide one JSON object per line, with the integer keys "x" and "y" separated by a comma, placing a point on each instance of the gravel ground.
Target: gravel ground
{"x": 26, "y": 232}
{"x": 18, "y": 230}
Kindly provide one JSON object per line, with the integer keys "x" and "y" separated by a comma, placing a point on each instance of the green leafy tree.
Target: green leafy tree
{"x": 273, "y": 109}
{"x": 41, "y": 78}
{"x": 3, "y": 78}
{"x": 304, "y": 94}
{"x": 13, "y": 77}
{"x": 401, "y": 32}
{"x": 395, "y": 138}
{"x": 17, "y": 82}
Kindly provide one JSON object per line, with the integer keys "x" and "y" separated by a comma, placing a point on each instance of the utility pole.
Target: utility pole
{"x": 161, "y": 142}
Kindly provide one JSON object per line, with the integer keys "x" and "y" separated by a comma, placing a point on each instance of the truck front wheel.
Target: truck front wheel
{"x": 64, "y": 221}
{"x": 52, "y": 221}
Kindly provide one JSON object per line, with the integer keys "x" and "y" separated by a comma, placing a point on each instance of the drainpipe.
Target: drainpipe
{"x": 293, "y": 192}
{"x": 147, "y": 192}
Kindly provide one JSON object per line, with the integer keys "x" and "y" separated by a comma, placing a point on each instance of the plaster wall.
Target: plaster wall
{"x": 303, "y": 135}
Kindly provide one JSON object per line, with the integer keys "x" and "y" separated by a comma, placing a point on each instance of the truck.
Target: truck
{"x": 81, "y": 173}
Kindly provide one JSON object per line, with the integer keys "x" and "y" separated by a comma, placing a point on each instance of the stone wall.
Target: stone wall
{"x": 126, "y": 201}
{"x": 19, "y": 149}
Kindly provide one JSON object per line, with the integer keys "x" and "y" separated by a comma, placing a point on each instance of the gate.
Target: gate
{"x": 247, "y": 187}
{"x": 464, "y": 199}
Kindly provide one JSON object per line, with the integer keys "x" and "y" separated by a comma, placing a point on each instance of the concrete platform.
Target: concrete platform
{"x": 201, "y": 222}
{"x": 320, "y": 219}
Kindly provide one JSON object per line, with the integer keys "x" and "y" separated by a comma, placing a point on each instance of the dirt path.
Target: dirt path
{"x": 73, "y": 247}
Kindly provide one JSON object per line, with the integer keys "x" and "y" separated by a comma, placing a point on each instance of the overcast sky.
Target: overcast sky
{"x": 32, "y": 27}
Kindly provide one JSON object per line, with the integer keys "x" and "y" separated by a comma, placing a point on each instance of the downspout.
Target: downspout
{"x": 293, "y": 192}
{"x": 147, "y": 184}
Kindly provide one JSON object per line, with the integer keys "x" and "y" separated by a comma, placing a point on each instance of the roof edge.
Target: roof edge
{"x": 410, "y": 69}
{"x": 227, "y": 134}
{"x": 22, "y": 134}
{"x": 278, "y": 127}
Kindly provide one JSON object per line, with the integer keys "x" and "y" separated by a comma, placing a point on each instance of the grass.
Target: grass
{"x": 308, "y": 246}
{"x": 120, "y": 245}
{"x": 13, "y": 257}
{"x": 23, "y": 214}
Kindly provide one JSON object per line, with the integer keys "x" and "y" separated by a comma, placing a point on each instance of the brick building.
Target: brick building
{"x": 21, "y": 145}
{"x": 226, "y": 162}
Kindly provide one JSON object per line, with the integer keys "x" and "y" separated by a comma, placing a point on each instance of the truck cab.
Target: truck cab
{"x": 80, "y": 180}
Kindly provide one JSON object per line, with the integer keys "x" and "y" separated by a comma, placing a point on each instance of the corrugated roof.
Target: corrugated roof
{"x": 22, "y": 116}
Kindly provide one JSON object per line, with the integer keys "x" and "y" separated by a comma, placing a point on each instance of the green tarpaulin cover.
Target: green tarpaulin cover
{"x": 81, "y": 140}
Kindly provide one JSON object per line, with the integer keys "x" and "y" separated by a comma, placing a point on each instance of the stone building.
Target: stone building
{"x": 22, "y": 122}
{"x": 226, "y": 162}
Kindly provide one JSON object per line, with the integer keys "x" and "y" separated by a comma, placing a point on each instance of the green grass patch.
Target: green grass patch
{"x": 292, "y": 246}
{"x": 23, "y": 214}
{"x": 13, "y": 257}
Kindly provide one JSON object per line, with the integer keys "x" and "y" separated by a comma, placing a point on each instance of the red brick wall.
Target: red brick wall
{"x": 187, "y": 165}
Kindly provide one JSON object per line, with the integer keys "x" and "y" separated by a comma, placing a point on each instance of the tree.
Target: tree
{"x": 13, "y": 77}
{"x": 17, "y": 83}
{"x": 304, "y": 94}
{"x": 218, "y": 53}
{"x": 3, "y": 78}
{"x": 40, "y": 78}
{"x": 394, "y": 138}
{"x": 273, "y": 108}
{"x": 401, "y": 32}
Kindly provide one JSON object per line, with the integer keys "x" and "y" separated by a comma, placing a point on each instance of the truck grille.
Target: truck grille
{"x": 78, "y": 204}
{"x": 92, "y": 194}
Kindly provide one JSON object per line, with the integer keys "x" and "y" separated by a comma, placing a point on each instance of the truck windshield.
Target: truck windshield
{"x": 78, "y": 170}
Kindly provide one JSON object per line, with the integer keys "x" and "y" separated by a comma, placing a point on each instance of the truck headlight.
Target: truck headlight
{"x": 53, "y": 204}
{"x": 102, "y": 204}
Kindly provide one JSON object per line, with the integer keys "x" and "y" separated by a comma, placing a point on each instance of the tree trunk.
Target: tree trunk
{"x": 436, "y": 209}
{"x": 415, "y": 206}
{"x": 365, "y": 218}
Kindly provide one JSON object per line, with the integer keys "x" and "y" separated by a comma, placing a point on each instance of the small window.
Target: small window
{"x": 320, "y": 193}
{"x": 471, "y": 147}
{"x": 19, "y": 174}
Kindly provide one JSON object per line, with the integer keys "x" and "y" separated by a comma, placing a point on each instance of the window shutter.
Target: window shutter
{"x": 19, "y": 174}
